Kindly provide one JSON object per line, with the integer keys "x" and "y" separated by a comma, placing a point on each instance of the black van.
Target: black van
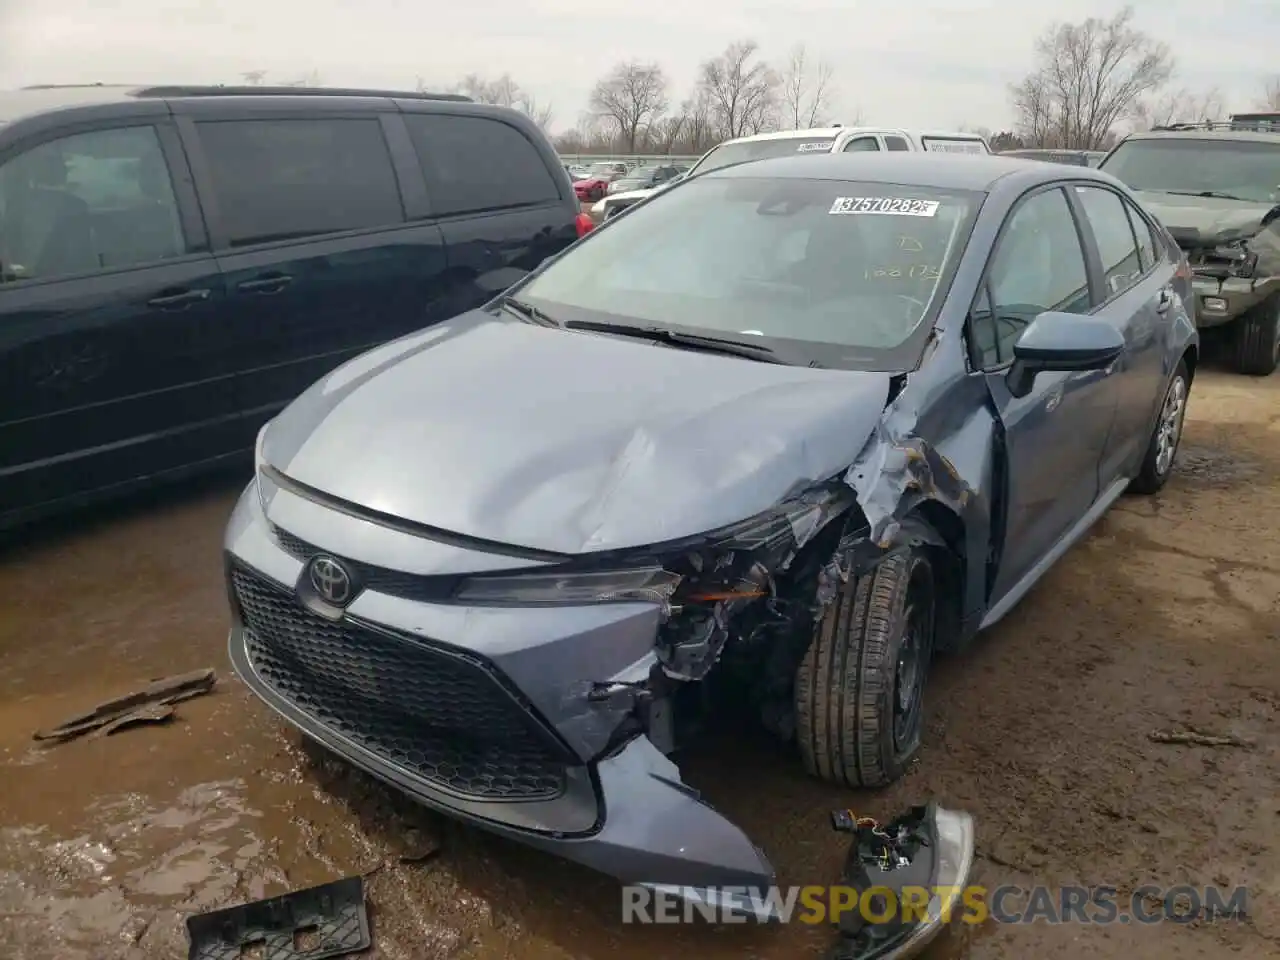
{"x": 177, "y": 263}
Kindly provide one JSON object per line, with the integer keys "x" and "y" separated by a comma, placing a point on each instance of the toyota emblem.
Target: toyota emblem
{"x": 330, "y": 580}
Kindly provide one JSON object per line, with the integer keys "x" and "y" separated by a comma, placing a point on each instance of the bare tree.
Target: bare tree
{"x": 253, "y": 77}
{"x": 631, "y": 97}
{"x": 666, "y": 132}
{"x": 742, "y": 90}
{"x": 1271, "y": 94}
{"x": 806, "y": 89}
{"x": 1089, "y": 75}
{"x": 504, "y": 92}
{"x": 1179, "y": 105}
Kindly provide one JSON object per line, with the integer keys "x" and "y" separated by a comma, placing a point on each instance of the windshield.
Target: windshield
{"x": 1245, "y": 169}
{"x": 805, "y": 265}
{"x": 728, "y": 154}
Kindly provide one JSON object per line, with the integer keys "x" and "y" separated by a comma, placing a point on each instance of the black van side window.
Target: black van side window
{"x": 283, "y": 179}
{"x": 89, "y": 202}
{"x": 475, "y": 163}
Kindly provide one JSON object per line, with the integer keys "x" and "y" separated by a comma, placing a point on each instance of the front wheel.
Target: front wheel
{"x": 1256, "y": 339}
{"x": 859, "y": 690}
{"x": 1162, "y": 448}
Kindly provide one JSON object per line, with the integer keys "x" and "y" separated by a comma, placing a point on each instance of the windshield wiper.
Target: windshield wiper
{"x": 1214, "y": 194}
{"x": 529, "y": 313}
{"x": 733, "y": 348}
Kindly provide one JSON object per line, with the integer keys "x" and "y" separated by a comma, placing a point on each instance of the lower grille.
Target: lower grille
{"x": 442, "y": 717}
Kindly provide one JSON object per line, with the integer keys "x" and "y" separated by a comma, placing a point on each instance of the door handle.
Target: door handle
{"x": 183, "y": 298}
{"x": 1164, "y": 300}
{"x": 270, "y": 284}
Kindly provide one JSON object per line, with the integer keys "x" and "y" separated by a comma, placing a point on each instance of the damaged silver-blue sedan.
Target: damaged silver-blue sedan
{"x": 789, "y": 430}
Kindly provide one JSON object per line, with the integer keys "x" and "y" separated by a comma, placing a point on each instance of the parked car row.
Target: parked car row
{"x": 809, "y": 142}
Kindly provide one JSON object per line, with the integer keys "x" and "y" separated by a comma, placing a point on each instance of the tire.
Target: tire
{"x": 849, "y": 726}
{"x": 1256, "y": 339}
{"x": 1165, "y": 436}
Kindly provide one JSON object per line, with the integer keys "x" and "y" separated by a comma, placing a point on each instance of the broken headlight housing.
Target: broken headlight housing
{"x": 700, "y": 568}
{"x": 1241, "y": 261}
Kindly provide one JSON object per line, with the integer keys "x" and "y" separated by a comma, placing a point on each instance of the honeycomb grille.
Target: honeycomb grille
{"x": 440, "y": 716}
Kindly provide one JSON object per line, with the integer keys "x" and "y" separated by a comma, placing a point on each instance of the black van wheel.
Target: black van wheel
{"x": 859, "y": 690}
{"x": 1256, "y": 339}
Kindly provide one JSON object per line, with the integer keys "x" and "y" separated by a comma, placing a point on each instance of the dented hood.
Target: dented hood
{"x": 1212, "y": 219}
{"x": 565, "y": 441}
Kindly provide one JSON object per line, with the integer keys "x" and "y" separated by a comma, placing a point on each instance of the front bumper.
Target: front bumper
{"x": 479, "y": 713}
{"x": 1220, "y": 301}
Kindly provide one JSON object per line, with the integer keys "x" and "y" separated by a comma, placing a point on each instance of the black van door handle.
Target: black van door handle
{"x": 273, "y": 283}
{"x": 178, "y": 300}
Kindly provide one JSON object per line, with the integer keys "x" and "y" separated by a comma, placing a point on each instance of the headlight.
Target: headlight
{"x": 597, "y": 208}
{"x": 706, "y": 568}
{"x": 643, "y": 584}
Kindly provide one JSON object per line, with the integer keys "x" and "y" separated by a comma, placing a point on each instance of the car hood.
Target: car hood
{"x": 1209, "y": 219}
{"x": 568, "y": 442}
{"x": 633, "y": 194}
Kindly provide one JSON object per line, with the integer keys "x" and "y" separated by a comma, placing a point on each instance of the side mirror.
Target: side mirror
{"x": 1062, "y": 342}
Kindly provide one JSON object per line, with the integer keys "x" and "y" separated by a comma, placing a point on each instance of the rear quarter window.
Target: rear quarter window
{"x": 479, "y": 163}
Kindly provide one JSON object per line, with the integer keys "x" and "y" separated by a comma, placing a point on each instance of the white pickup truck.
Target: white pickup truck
{"x": 817, "y": 140}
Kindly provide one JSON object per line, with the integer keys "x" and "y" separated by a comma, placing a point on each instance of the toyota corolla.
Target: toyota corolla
{"x": 780, "y": 435}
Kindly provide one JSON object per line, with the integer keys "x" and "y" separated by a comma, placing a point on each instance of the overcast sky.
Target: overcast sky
{"x": 923, "y": 63}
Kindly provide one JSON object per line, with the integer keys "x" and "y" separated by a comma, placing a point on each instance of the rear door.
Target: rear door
{"x": 112, "y": 365}
{"x": 497, "y": 198}
{"x": 1055, "y": 436}
{"x": 306, "y": 210}
{"x": 1139, "y": 292}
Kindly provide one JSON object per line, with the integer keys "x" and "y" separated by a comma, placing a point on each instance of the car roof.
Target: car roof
{"x": 1251, "y": 136}
{"x": 977, "y": 172}
{"x": 830, "y": 133}
{"x": 35, "y": 100}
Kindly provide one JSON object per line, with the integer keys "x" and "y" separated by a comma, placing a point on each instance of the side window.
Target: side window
{"x": 1038, "y": 266}
{"x": 1146, "y": 241}
{"x": 861, "y": 144}
{"x": 288, "y": 179}
{"x": 90, "y": 202}
{"x": 1114, "y": 234}
{"x": 896, "y": 144}
{"x": 475, "y": 163}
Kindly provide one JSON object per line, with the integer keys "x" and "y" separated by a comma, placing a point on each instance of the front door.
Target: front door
{"x": 110, "y": 361}
{"x": 1056, "y": 434}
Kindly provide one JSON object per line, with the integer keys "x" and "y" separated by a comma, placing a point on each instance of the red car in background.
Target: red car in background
{"x": 599, "y": 175}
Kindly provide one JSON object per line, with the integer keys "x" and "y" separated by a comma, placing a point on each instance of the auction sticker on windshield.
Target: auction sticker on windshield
{"x": 890, "y": 206}
{"x": 815, "y": 146}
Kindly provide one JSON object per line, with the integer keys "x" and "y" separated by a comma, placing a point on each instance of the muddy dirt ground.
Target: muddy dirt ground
{"x": 1166, "y": 617}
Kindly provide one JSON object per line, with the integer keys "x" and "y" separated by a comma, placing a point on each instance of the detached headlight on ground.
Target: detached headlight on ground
{"x": 926, "y": 851}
